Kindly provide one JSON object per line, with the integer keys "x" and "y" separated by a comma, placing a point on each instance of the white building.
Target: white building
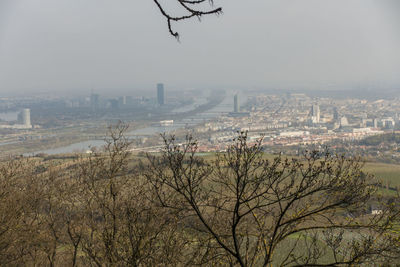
{"x": 167, "y": 123}
{"x": 26, "y": 117}
{"x": 294, "y": 134}
{"x": 344, "y": 122}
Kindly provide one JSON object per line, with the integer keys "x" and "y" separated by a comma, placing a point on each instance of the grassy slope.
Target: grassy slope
{"x": 387, "y": 173}
{"x": 384, "y": 172}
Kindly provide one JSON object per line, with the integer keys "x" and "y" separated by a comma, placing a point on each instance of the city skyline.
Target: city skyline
{"x": 131, "y": 134}
{"x": 67, "y": 46}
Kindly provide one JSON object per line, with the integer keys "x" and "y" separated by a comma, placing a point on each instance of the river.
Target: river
{"x": 222, "y": 108}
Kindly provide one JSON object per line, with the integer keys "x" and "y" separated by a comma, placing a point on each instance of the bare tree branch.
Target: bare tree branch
{"x": 192, "y": 10}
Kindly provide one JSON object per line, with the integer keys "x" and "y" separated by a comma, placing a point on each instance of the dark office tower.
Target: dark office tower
{"x": 236, "y": 104}
{"x": 95, "y": 101}
{"x": 160, "y": 94}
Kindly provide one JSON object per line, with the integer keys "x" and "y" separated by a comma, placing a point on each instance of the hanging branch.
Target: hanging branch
{"x": 190, "y": 7}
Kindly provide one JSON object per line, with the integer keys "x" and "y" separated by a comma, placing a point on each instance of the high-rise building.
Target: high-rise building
{"x": 95, "y": 101}
{"x": 236, "y": 107}
{"x": 26, "y": 116}
{"x": 315, "y": 113}
{"x": 160, "y": 94}
{"x": 335, "y": 114}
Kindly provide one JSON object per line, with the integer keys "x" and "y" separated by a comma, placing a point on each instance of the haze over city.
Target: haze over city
{"x": 73, "y": 46}
{"x": 266, "y": 134}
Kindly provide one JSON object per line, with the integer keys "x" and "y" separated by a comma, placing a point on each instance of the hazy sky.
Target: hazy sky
{"x": 62, "y": 45}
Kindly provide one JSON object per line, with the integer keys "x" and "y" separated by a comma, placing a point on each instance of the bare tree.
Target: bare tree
{"x": 192, "y": 8}
{"x": 95, "y": 211}
{"x": 121, "y": 226}
{"x": 180, "y": 209}
{"x": 251, "y": 211}
{"x": 11, "y": 211}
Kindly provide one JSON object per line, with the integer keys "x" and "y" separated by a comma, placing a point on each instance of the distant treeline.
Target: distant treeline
{"x": 379, "y": 139}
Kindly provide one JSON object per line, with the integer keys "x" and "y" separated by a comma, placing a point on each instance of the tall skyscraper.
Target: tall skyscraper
{"x": 95, "y": 101}
{"x": 236, "y": 107}
{"x": 160, "y": 94}
{"x": 315, "y": 113}
{"x": 26, "y": 117}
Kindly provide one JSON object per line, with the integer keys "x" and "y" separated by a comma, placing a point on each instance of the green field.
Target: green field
{"x": 387, "y": 173}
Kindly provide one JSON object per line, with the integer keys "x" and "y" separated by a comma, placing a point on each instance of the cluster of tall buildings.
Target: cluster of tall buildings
{"x": 342, "y": 121}
{"x": 315, "y": 116}
{"x": 96, "y": 103}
